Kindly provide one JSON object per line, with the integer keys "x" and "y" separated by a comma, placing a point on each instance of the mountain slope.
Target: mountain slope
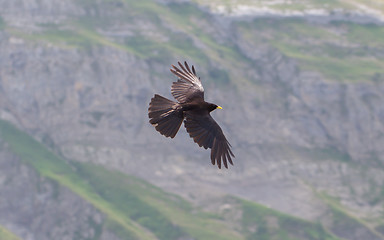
{"x": 134, "y": 209}
{"x": 5, "y": 234}
{"x": 302, "y": 102}
{"x": 355, "y": 10}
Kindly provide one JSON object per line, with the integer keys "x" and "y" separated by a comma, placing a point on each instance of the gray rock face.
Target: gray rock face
{"x": 30, "y": 13}
{"x": 294, "y": 133}
{"x": 93, "y": 107}
{"x": 34, "y": 207}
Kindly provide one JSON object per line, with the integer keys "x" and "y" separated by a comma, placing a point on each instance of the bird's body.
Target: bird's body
{"x": 202, "y": 107}
{"x": 167, "y": 116}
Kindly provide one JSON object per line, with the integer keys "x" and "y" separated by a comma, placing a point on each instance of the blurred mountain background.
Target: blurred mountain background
{"x": 301, "y": 84}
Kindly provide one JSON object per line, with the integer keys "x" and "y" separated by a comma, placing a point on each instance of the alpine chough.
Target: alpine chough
{"x": 167, "y": 115}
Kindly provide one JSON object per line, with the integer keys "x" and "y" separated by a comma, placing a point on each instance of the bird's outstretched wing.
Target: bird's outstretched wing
{"x": 188, "y": 87}
{"x": 207, "y": 133}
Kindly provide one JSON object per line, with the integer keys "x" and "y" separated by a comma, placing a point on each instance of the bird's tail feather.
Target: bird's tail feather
{"x": 165, "y": 115}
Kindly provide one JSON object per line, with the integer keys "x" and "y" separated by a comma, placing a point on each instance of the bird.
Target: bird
{"x": 167, "y": 115}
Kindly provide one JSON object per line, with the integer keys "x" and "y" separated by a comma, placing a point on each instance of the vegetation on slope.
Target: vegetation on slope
{"x": 7, "y": 235}
{"x": 345, "y": 224}
{"x": 339, "y": 50}
{"x": 335, "y": 50}
{"x": 138, "y": 210}
{"x": 132, "y": 206}
{"x": 264, "y": 223}
{"x": 2, "y": 23}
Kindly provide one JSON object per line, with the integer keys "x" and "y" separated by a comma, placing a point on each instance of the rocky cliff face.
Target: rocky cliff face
{"x": 80, "y": 75}
{"x": 34, "y": 207}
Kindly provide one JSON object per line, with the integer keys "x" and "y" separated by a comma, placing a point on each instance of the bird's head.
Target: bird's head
{"x": 214, "y": 107}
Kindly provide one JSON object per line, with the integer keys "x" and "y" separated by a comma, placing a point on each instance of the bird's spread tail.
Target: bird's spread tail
{"x": 165, "y": 115}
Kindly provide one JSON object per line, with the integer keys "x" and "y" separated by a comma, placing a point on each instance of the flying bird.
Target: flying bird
{"x": 167, "y": 115}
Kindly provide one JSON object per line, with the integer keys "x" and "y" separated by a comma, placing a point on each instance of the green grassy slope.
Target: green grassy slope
{"x": 7, "y": 235}
{"x": 340, "y": 51}
{"x": 264, "y": 223}
{"x": 342, "y": 219}
{"x": 138, "y": 210}
{"x": 2, "y": 23}
{"x": 116, "y": 195}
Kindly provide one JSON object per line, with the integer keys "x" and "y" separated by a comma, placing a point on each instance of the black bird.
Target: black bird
{"x": 167, "y": 115}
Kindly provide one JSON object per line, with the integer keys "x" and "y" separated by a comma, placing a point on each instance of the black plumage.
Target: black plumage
{"x": 167, "y": 116}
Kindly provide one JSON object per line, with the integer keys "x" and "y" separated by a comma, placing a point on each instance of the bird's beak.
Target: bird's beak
{"x": 219, "y": 107}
